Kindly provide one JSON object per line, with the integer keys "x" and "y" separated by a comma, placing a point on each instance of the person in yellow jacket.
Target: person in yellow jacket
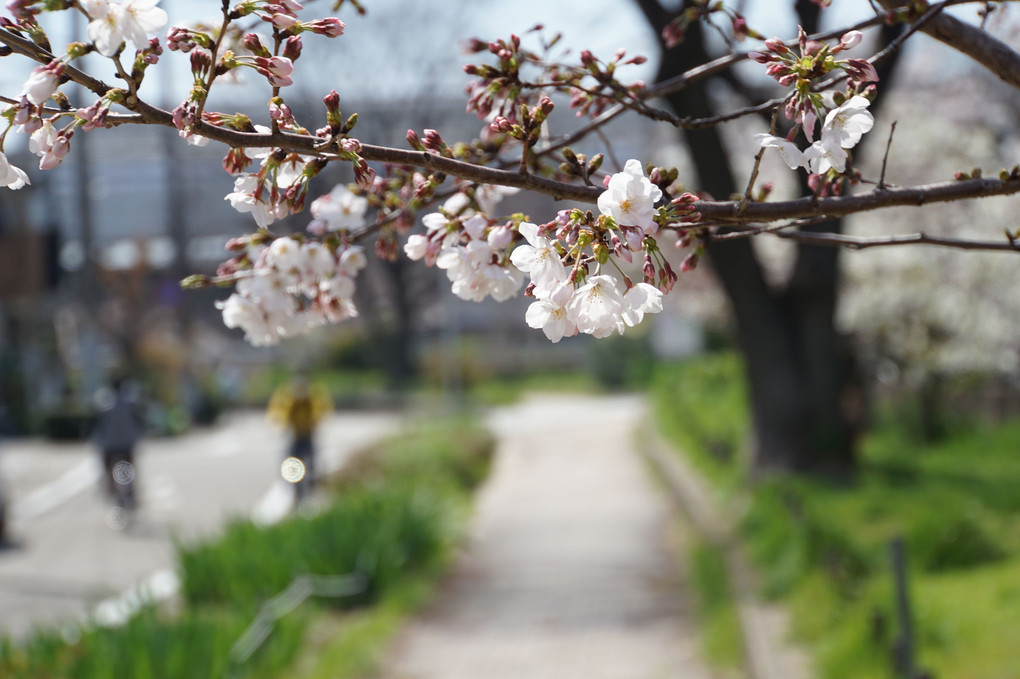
{"x": 300, "y": 406}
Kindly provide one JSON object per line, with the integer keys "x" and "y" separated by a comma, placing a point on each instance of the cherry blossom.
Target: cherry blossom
{"x": 551, "y": 319}
{"x": 113, "y": 23}
{"x": 642, "y": 299}
{"x": 245, "y": 199}
{"x": 597, "y": 307}
{"x": 340, "y": 209}
{"x": 788, "y": 151}
{"x": 538, "y": 257}
{"x": 43, "y": 82}
{"x": 847, "y": 123}
{"x": 10, "y": 176}
{"x": 630, "y": 198}
{"x": 825, "y": 154}
{"x": 292, "y": 287}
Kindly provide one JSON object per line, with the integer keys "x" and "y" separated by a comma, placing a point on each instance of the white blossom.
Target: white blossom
{"x": 641, "y": 299}
{"x": 788, "y": 151}
{"x": 113, "y": 23}
{"x": 597, "y": 307}
{"x": 244, "y": 313}
{"x": 538, "y": 258}
{"x": 41, "y": 83}
{"x": 243, "y": 199}
{"x": 630, "y": 197}
{"x": 824, "y": 154}
{"x": 41, "y": 141}
{"x": 846, "y": 124}
{"x": 551, "y": 319}
{"x": 340, "y": 209}
{"x": 11, "y": 177}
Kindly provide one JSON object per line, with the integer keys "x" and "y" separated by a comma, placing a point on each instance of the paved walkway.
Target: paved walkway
{"x": 570, "y": 571}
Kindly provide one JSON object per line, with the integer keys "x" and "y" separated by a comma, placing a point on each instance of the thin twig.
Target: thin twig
{"x": 862, "y": 243}
{"x": 885, "y": 158}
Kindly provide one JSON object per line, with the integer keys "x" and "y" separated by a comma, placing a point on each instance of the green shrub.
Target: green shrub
{"x": 940, "y": 542}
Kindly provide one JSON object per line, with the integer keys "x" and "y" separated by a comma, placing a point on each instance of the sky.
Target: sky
{"x": 406, "y": 47}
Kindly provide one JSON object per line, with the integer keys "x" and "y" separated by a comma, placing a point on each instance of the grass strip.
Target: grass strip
{"x": 395, "y": 516}
{"x": 822, "y": 548}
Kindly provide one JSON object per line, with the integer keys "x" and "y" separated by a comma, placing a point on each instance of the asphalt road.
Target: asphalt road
{"x": 68, "y": 563}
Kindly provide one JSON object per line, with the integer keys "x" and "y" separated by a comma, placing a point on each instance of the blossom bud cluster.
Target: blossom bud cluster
{"x": 279, "y": 188}
{"x": 473, "y": 252}
{"x": 576, "y": 286}
{"x": 290, "y": 288}
{"x": 845, "y": 118}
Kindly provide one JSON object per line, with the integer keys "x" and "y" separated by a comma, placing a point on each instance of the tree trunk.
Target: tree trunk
{"x": 804, "y": 399}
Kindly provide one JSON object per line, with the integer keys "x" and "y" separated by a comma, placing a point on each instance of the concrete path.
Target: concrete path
{"x": 569, "y": 572}
{"x": 67, "y": 562}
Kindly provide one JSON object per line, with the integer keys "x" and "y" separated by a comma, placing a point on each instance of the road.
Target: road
{"x": 572, "y": 566}
{"x": 67, "y": 562}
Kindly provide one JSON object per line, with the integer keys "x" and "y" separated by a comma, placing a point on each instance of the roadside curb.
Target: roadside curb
{"x": 764, "y": 654}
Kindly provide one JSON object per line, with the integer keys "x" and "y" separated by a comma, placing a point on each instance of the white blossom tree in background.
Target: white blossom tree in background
{"x": 597, "y": 266}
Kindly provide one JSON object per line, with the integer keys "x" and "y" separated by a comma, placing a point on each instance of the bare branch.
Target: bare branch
{"x": 862, "y": 243}
{"x": 838, "y": 206}
{"x": 978, "y": 44}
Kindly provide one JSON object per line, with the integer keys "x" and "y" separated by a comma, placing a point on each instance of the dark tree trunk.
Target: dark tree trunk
{"x": 804, "y": 396}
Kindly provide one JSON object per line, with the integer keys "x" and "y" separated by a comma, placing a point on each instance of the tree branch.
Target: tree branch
{"x": 837, "y": 206}
{"x": 976, "y": 43}
{"x": 862, "y": 243}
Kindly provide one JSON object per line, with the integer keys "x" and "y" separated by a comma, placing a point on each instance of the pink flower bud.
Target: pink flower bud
{"x": 690, "y": 262}
{"x": 283, "y": 21}
{"x": 180, "y": 39}
{"x": 331, "y": 27}
{"x": 850, "y": 39}
{"x": 253, "y": 43}
{"x": 332, "y": 101}
{"x": 433, "y": 141}
{"x": 414, "y": 141}
{"x": 502, "y": 125}
{"x": 292, "y": 48}
{"x": 56, "y": 152}
{"x": 201, "y": 62}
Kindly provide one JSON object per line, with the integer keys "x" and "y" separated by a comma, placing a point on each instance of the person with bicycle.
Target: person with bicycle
{"x": 299, "y": 406}
{"x": 119, "y": 426}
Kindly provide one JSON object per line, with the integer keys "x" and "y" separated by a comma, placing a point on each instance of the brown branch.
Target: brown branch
{"x": 862, "y": 243}
{"x": 838, "y": 206}
{"x": 718, "y": 210}
{"x": 978, "y": 44}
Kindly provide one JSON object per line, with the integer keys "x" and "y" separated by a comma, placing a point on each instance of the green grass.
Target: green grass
{"x": 700, "y": 407}
{"x": 396, "y": 514}
{"x": 823, "y": 548}
{"x": 717, "y": 611}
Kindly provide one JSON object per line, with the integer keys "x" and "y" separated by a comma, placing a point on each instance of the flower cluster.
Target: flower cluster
{"x": 596, "y": 306}
{"x": 573, "y": 262}
{"x": 842, "y": 129}
{"x": 845, "y": 116}
{"x": 112, "y": 23}
{"x": 288, "y": 287}
{"x": 472, "y": 251}
{"x": 339, "y": 210}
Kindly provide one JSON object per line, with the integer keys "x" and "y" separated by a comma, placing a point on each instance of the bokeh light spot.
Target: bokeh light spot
{"x": 293, "y": 470}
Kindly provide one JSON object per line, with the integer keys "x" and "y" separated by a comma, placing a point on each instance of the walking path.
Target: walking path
{"x": 570, "y": 571}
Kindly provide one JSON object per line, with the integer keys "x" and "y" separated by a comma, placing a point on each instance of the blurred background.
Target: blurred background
{"x": 901, "y": 366}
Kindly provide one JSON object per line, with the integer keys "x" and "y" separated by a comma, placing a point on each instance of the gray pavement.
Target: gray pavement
{"x": 569, "y": 571}
{"x": 68, "y": 562}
